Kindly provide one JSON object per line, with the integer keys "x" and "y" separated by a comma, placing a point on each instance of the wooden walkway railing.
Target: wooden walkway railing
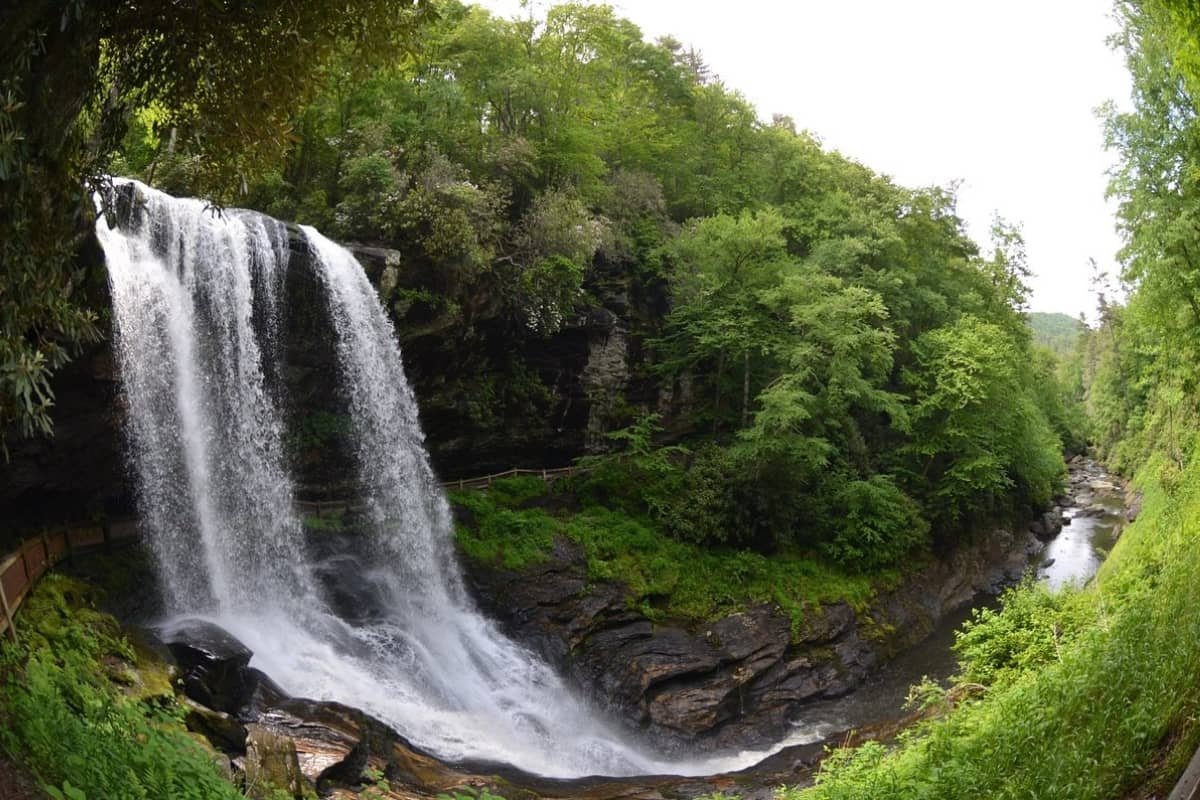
{"x": 22, "y": 568}
{"x": 485, "y": 481}
{"x": 319, "y": 507}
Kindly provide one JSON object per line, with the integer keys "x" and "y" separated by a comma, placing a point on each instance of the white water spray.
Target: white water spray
{"x": 197, "y": 298}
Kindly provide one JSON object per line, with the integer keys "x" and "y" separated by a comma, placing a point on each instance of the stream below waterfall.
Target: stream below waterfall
{"x": 1092, "y": 522}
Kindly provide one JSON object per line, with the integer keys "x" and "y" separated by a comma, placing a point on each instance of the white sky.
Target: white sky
{"x": 999, "y": 95}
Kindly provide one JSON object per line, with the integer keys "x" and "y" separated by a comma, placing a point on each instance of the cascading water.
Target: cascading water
{"x": 197, "y": 297}
{"x": 205, "y": 438}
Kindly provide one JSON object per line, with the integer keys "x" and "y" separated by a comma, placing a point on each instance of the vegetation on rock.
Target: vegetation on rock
{"x": 515, "y": 525}
{"x": 90, "y": 715}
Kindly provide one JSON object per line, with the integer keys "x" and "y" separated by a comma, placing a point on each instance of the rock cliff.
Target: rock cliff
{"x": 491, "y": 395}
{"x": 740, "y": 680}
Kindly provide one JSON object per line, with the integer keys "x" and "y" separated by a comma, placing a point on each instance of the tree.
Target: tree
{"x": 977, "y": 436}
{"x": 722, "y": 264}
{"x": 222, "y": 76}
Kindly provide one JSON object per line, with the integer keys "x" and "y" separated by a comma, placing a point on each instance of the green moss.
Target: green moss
{"x": 666, "y": 578}
{"x": 73, "y": 709}
{"x": 501, "y": 532}
{"x": 332, "y": 521}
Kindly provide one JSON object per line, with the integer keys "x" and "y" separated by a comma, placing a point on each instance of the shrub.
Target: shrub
{"x": 877, "y": 525}
{"x": 65, "y": 717}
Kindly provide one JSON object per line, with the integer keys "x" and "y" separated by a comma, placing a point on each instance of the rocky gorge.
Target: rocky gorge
{"x": 679, "y": 686}
{"x": 743, "y": 680}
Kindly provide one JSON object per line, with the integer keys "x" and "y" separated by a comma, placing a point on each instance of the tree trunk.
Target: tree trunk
{"x": 746, "y": 387}
{"x": 717, "y": 396}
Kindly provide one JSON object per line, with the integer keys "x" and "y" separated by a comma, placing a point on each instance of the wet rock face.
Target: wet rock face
{"x": 734, "y": 682}
{"x": 492, "y": 395}
{"x": 212, "y": 663}
{"x": 80, "y": 472}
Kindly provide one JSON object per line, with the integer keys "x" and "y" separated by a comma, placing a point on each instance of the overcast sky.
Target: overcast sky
{"x": 999, "y": 95}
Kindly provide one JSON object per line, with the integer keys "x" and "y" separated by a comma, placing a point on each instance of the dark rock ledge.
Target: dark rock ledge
{"x": 740, "y": 681}
{"x": 261, "y": 736}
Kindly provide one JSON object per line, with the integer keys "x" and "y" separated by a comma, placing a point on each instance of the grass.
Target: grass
{"x": 330, "y": 521}
{"x": 1110, "y": 707}
{"x": 666, "y": 578}
{"x": 75, "y": 709}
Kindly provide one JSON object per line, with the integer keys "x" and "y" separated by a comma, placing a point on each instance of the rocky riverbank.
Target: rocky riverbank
{"x": 742, "y": 681}
{"x": 266, "y": 740}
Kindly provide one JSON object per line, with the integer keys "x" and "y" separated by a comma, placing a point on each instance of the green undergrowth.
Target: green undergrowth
{"x": 1086, "y": 693}
{"x": 516, "y": 522}
{"x": 87, "y": 724}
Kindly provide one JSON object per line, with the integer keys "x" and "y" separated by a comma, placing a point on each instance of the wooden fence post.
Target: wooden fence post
{"x": 8, "y": 617}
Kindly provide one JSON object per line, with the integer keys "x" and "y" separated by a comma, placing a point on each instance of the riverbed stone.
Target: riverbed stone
{"x": 271, "y": 764}
{"x": 736, "y": 681}
{"x": 219, "y": 728}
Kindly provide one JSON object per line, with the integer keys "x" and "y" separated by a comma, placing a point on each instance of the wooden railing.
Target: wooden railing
{"x": 485, "y": 481}
{"x": 22, "y": 568}
{"x": 319, "y": 507}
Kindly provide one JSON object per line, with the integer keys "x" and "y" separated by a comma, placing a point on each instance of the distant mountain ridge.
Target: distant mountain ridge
{"x": 1055, "y": 331}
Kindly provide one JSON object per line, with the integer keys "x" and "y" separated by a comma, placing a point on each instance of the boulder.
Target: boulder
{"x": 735, "y": 682}
{"x": 212, "y": 663}
{"x": 222, "y": 730}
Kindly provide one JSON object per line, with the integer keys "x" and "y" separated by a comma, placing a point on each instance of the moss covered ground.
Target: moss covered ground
{"x": 516, "y": 522}
{"x": 91, "y": 715}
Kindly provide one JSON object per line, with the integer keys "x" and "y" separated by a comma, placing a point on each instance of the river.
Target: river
{"x": 1092, "y": 522}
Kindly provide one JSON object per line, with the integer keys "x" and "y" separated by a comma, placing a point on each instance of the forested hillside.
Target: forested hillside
{"x": 789, "y": 389}
{"x": 1092, "y": 693}
{"x": 844, "y": 368}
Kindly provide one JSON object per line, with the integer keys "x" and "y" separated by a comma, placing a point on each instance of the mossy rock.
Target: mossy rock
{"x": 272, "y": 766}
{"x": 155, "y": 671}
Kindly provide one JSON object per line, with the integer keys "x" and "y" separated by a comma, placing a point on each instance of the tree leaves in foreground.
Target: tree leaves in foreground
{"x": 222, "y": 76}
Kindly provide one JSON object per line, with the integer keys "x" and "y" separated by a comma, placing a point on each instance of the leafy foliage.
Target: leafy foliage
{"x": 837, "y": 347}
{"x": 221, "y": 77}
{"x": 515, "y": 524}
{"x": 65, "y": 714}
{"x": 1091, "y": 693}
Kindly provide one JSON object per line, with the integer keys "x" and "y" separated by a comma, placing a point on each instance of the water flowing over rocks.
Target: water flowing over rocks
{"x": 214, "y": 348}
{"x": 293, "y": 351}
{"x": 577, "y": 374}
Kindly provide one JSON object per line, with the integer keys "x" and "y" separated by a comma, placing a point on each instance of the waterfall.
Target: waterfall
{"x": 204, "y": 436}
{"x": 198, "y": 325}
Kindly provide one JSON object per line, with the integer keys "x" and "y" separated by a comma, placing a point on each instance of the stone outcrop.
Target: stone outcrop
{"x": 271, "y": 764}
{"x": 738, "y": 681}
{"x": 299, "y": 745}
{"x": 492, "y": 395}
